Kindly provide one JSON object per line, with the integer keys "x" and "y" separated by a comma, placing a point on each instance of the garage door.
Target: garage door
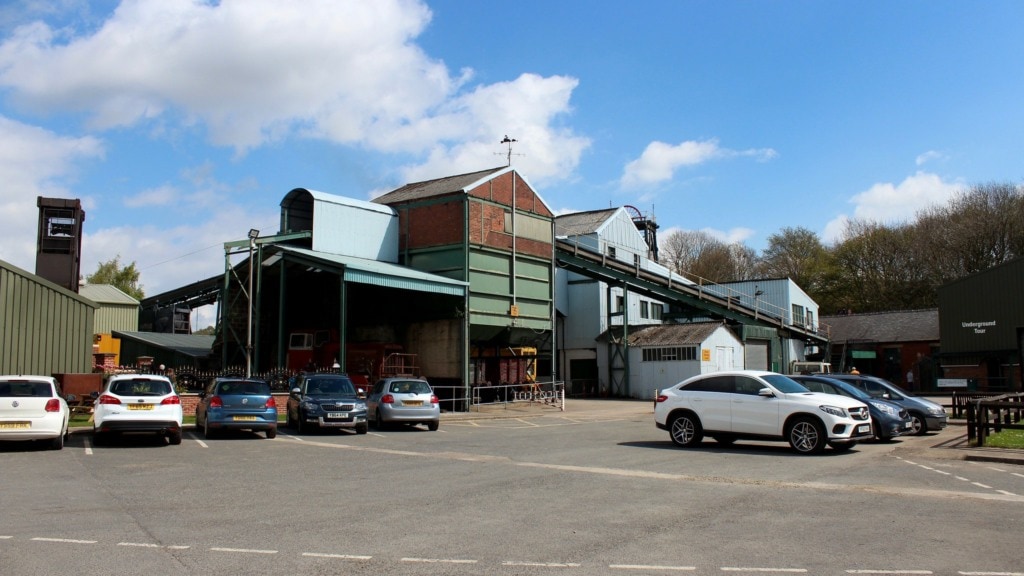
{"x": 755, "y": 355}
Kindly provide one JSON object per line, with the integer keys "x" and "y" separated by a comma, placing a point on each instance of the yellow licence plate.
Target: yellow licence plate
{"x": 244, "y": 418}
{"x": 140, "y": 406}
{"x": 413, "y": 403}
{"x": 14, "y": 425}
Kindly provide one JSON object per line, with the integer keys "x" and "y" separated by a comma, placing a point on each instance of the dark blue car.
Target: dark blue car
{"x": 237, "y": 404}
{"x": 888, "y": 420}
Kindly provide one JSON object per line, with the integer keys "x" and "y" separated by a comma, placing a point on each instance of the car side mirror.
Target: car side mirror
{"x": 886, "y": 395}
{"x": 766, "y": 392}
{"x": 202, "y": 394}
{"x": 360, "y": 392}
{"x": 296, "y": 391}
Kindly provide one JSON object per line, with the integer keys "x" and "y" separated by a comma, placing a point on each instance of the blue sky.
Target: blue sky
{"x": 182, "y": 124}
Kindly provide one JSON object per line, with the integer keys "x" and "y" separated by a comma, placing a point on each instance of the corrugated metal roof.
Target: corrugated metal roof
{"x": 385, "y": 274}
{"x": 672, "y": 334}
{"x": 900, "y": 326}
{"x": 196, "y": 345}
{"x": 106, "y": 294}
{"x": 582, "y": 223}
{"x": 438, "y": 187}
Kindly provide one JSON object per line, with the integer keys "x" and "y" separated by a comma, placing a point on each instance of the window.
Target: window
{"x": 798, "y": 314}
{"x": 669, "y": 354}
{"x": 620, "y": 304}
{"x": 810, "y": 319}
{"x": 611, "y": 251}
{"x": 656, "y": 311}
{"x": 643, "y": 309}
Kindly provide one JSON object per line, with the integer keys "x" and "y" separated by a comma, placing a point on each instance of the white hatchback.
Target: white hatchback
{"x": 137, "y": 403}
{"x": 31, "y": 408}
{"x": 756, "y": 405}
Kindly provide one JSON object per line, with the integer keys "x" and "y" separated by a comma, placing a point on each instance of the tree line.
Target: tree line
{"x": 874, "y": 266}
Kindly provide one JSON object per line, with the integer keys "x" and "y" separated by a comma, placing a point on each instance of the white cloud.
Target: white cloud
{"x": 659, "y": 160}
{"x": 34, "y": 162}
{"x": 890, "y": 203}
{"x": 250, "y": 72}
{"x": 929, "y": 156}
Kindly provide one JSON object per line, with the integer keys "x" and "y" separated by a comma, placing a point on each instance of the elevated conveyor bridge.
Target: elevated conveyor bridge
{"x": 697, "y": 302}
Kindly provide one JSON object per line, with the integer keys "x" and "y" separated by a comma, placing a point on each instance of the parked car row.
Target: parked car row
{"x": 809, "y": 412}
{"x": 33, "y": 408}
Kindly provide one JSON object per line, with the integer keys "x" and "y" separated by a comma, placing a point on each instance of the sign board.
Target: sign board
{"x": 705, "y": 355}
{"x": 951, "y": 383}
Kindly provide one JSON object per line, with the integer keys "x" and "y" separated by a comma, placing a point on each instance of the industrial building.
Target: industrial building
{"x": 982, "y": 322}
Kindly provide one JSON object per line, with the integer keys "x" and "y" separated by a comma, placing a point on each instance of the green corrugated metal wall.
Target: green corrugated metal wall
{"x": 44, "y": 329}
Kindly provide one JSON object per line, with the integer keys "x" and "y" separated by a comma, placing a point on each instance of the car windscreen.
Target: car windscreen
{"x": 140, "y": 387}
{"x": 785, "y": 384}
{"x": 330, "y": 386}
{"x": 410, "y": 387}
{"x": 243, "y": 388}
{"x": 26, "y": 389}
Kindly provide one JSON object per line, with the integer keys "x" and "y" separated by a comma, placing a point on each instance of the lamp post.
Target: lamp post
{"x": 253, "y": 234}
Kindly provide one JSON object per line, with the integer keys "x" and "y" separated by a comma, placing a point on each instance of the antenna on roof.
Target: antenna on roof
{"x": 509, "y": 141}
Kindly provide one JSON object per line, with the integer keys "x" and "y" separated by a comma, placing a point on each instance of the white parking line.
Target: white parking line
{"x": 541, "y": 564}
{"x": 754, "y": 569}
{"x": 148, "y": 545}
{"x": 335, "y": 556}
{"x": 889, "y": 572}
{"x": 991, "y": 573}
{"x": 6, "y": 537}
{"x": 440, "y": 560}
{"x": 244, "y": 550}
{"x": 980, "y": 485}
{"x": 653, "y": 567}
{"x": 64, "y": 540}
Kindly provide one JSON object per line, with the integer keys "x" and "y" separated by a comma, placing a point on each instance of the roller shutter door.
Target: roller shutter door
{"x": 755, "y": 355}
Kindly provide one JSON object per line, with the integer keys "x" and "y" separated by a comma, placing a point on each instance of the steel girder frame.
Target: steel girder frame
{"x": 618, "y": 344}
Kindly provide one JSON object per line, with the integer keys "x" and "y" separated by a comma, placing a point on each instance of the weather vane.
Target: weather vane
{"x": 509, "y": 142}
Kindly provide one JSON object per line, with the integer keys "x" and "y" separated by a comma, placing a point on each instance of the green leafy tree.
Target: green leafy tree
{"x": 125, "y": 278}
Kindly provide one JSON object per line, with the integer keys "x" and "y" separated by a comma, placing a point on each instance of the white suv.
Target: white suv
{"x": 756, "y": 405}
{"x": 137, "y": 403}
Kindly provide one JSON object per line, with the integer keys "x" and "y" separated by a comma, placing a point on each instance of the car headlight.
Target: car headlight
{"x": 310, "y": 406}
{"x": 937, "y": 410}
{"x": 833, "y": 410}
{"x": 888, "y": 409}
{"x": 360, "y": 407}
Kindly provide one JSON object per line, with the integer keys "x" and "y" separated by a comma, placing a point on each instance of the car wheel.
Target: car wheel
{"x": 378, "y": 422}
{"x": 920, "y": 425}
{"x": 685, "y": 430}
{"x": 361, "y": 428}
{"x": 57, "y": 443}
{"x": 271, "y": 433}
{"x": 842, "y": 446}
{"x": 807, "y": 436}
{"x": 433, "y": 426}
{"x": 207, "y": 433}
{"x": 174, "y": 437}
{"x": 300, "y": 426}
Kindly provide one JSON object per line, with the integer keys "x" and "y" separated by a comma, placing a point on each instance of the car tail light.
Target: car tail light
{"x": 387, "y": 399}
{"x": 271, "y": 403}
{"x": 107, "y": 399}
{"x": 171, "y": 400}
{"x": 216, "y": 402}
{"x": 434, "y": 399}
{"x": 53, "y": 405}
{"x": 661, "y": 398}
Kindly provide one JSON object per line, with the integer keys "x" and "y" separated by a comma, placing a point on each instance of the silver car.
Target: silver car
{"x": 405, "y": 401}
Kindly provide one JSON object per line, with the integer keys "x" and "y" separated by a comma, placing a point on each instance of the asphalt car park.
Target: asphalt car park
{"x": 564, "y": 492}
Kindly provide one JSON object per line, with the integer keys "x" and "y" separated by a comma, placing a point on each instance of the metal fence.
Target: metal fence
{"x": 466, "y": 399}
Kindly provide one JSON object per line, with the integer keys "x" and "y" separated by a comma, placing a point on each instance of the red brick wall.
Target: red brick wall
{"x": 433, "y": 225}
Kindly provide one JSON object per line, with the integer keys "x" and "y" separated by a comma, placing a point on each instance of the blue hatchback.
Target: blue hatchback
{"x": 887, "y": 419}
{"x": 237, "y": 404}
